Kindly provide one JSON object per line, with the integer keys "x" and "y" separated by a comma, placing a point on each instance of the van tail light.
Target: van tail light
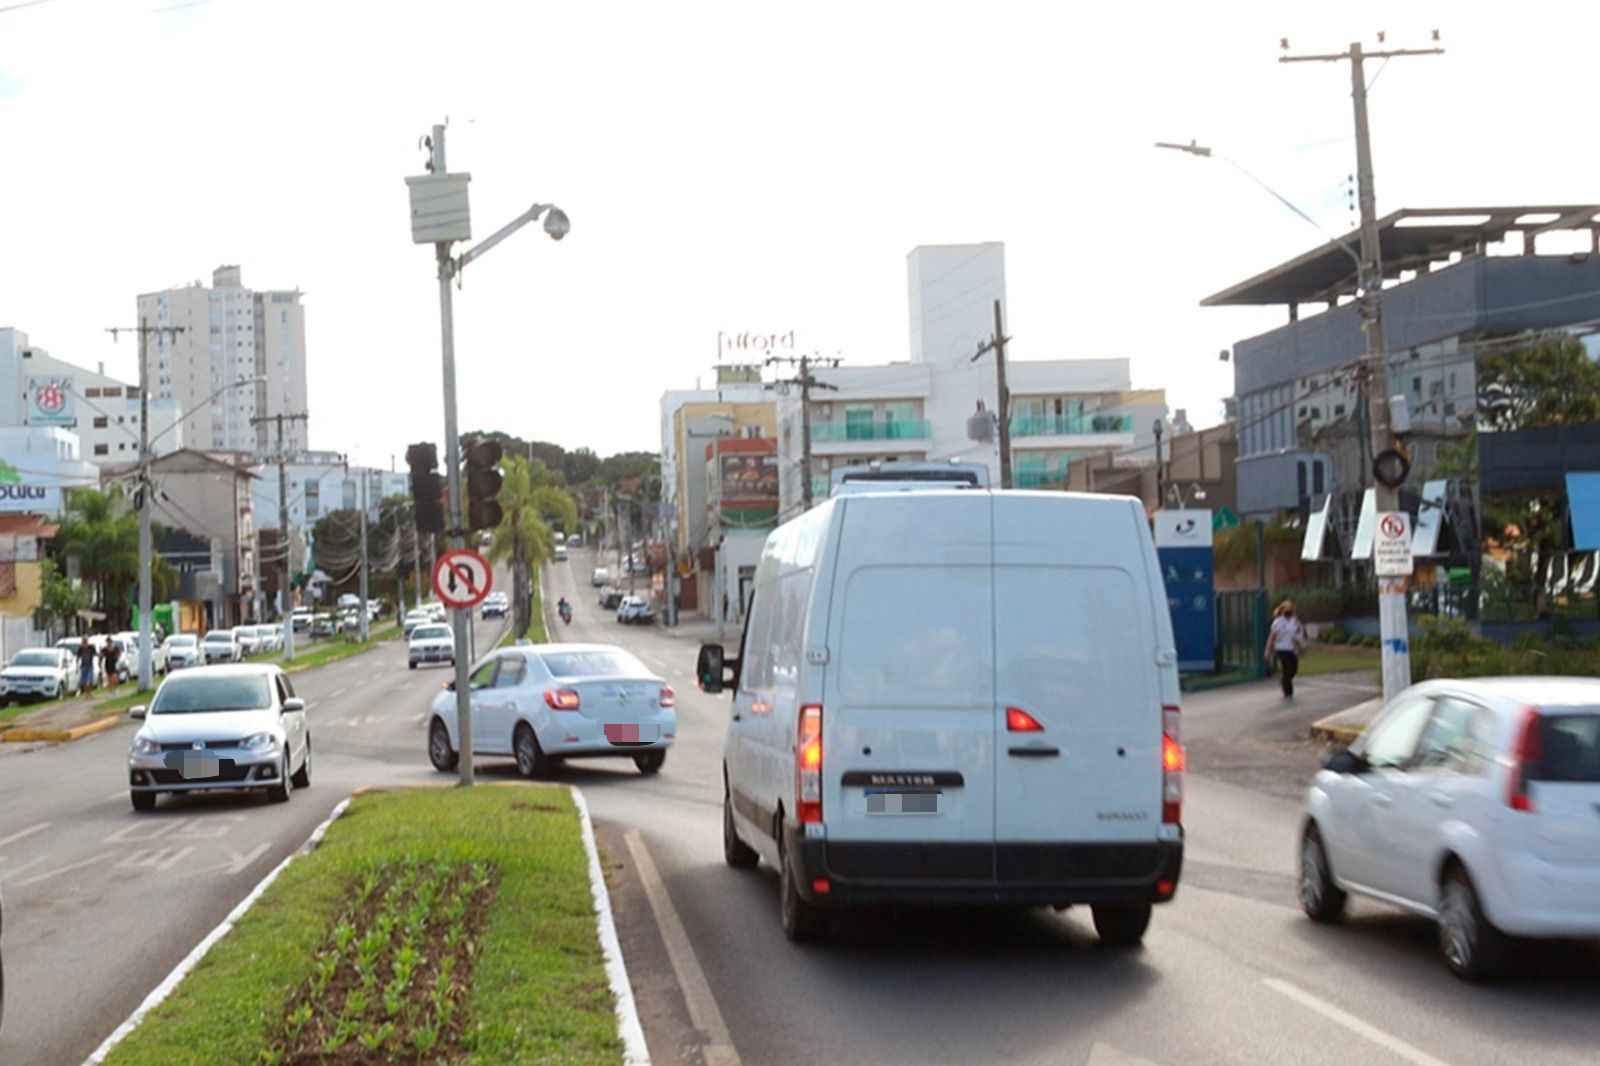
{"x": 562, "y": 699}
{"x": 1172, "y": 763}
{"x": 808, "y": 766}
{"x": 1525, "y": 754}
{"x": 1020, "y": 721}
{"x": 669, "y": 698}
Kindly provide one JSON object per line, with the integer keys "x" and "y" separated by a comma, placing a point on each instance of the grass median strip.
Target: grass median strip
{"x": 437, "y": 925}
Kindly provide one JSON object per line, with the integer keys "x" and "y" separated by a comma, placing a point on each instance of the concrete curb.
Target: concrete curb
{"x": 21, "y": 734}
{"x": 1337, "y": 734}
{"x": 191, "y": 960}
{"x": 629, "y": 1027}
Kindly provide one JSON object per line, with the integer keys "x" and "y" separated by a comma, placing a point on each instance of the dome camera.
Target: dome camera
{"x": 556, "y": 223}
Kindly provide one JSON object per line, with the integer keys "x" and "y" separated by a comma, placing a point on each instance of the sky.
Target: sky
{"x": 731, "y": 167}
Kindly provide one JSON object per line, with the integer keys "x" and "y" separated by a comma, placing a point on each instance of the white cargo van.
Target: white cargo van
{"x": 960, "y": 696}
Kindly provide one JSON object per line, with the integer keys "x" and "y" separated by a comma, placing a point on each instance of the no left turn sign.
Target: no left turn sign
{"x": 462, "y": 578}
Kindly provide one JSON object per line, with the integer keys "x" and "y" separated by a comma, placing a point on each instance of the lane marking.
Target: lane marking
{"x": 336, "y": 693}
{"x": 703, "y": 1011}
{"x": 1355, "y": 1025}
{"x": 65, "y": 870}
{"x": 30, "y": 864}
{"x": 28, "y": 832}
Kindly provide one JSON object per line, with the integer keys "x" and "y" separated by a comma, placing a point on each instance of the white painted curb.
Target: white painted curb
{"x": 190, "y": 961}
{"x": 634, "y": 1051}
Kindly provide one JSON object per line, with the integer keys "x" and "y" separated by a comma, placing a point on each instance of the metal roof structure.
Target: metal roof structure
{"x": 1409, "y": 239}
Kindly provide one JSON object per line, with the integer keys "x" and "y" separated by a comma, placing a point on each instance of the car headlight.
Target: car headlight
{"x": 143, "y": 745}
{"x": 259, "y": 741}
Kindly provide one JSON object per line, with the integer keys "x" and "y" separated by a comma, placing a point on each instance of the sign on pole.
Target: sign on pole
{"x": 1391, "y": 547}
{"x": 462, "y": 578}
{"x": 1184, "y": 547}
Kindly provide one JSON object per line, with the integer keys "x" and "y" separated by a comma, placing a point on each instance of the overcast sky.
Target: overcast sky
{"x": 740, "y": 166}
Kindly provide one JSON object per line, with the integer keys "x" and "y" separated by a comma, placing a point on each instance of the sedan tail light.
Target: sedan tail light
{"x": 562, "y": 699}
{"x": 669, "y": 698}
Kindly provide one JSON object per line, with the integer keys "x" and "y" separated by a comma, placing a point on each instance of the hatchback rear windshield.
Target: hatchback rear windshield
{"x": 595, "y": 664}
{"x": 1569, "y": 748}
{"x": 200, "y": 695}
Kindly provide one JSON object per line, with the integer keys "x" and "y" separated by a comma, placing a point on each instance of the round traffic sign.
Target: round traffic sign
{"x": 462, "y": 578}
{"x": 1392, "y": 526}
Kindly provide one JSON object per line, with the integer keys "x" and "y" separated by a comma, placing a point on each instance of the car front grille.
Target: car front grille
{"x": 213, "y": 745}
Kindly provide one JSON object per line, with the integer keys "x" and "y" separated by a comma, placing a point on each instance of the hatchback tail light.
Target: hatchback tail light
{"x": 1525, "y": 754}
{"x": 808, "y": 766}
{"x": 1172, "y": 764}
{"x": 562, "y": 699}
{"x": 669, "y": 698}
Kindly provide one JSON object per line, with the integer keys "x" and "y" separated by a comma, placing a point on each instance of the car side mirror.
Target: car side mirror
{"x": 293, "y": 704}
{"x": 136, "y": 711}
{"x": 1345, "y": 761}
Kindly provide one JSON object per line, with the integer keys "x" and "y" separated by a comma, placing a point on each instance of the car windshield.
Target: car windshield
{"x": 202, "y": 695}
{"x": 36, "y": 658}
{"x": 431, "y": 633}
{"x": 184, "y": 641}
{"x": 605, "y": 662}
{"x": 220, "y": 636}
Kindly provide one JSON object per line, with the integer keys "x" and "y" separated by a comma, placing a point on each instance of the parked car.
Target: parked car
{"x": 954, "y": 652}
{"x": 600, "y": 577}
{"x": 1469, "y": 802}
{"x": 610, "y": 598}
{"x": 249, "y": 643}
{"x": 301, "y": 619}
{"x": 322, "y": 625}
{"x": 431, "y": 643}
{"x": 413, "y": 620}
{"x": 232, "y": 727}
{"x": 548, "y": 702}
{"x": 635, "y": 610}
{"x": 182, "y": 649}
{"x": 575, "y": 541}
{"x": 39, "y": 673}
{"x": 128, "y": 661}
{"x": 221, "y": 646}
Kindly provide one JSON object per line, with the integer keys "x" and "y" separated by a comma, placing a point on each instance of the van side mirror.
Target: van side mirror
{"x": 1345, "y": 761}
{"x": 136, "y": 711}
{"x": 713, "y": 671}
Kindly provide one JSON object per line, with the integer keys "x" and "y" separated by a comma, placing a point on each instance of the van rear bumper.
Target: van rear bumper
{"x": 866, "y": 872}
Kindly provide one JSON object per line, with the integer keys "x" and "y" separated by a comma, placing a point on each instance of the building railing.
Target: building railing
{"x": 1071, "y": 425}
{"x": 878, "y": 429}
{"x": 1039, "y": 478}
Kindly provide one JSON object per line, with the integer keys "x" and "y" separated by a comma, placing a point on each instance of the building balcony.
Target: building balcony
{"x": 880, "y": 430}
{"x": 1070, "y": 425}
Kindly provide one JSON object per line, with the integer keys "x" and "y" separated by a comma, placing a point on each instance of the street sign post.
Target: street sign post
{"x": 1391, "y": 562}
{"x": 1391, "y": 548}
{"x": 462, "y": 578}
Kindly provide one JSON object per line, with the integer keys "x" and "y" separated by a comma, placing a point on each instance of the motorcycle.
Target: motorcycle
{"x": 566, "y": 614}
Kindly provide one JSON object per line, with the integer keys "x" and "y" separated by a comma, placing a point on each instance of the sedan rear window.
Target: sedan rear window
{"x": 201, "y": 695}
{"x": 572, "y": 664}
{"x": 1569, "y": 748}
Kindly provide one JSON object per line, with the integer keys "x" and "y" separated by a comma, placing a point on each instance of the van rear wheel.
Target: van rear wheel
{"x": 1122, "y": 927}
{"x": 802, "y": 923}
{"x": 735, "y": 852}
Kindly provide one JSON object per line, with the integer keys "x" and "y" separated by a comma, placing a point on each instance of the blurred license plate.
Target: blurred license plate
{"x": 627, "y": 733}
{"x": 902, "y": 803}
{"x": 194, "y": 765}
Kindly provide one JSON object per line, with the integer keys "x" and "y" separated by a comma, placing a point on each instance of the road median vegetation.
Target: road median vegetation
{"x": 431, "y": 925}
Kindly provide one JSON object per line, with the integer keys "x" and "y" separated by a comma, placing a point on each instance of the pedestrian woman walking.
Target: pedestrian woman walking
{"x": 1285, "y": 640}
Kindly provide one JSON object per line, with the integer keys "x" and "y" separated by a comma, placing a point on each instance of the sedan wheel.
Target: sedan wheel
{"x": 302, "y": 777}
{"x": 1472, "y": 948}
{"x": 143, "y": 801}
{"x": 650, "y": 762}
{"x": 531, "y": 759}
{"x": 439, "y": 752}
{"x": 1320, "y": 898}
{"x": 279, "y": 793}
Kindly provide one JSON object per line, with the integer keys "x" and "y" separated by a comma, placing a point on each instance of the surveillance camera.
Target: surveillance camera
{"x": 556, "y": 223}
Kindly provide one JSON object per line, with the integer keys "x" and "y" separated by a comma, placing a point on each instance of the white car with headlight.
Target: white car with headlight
{"x": 221, "y": 727}
{"x": 183, "y": 649}
{"x": 431, "y": 643}
{"x": 541, "y": 703}
{"x": 38, "y": 673}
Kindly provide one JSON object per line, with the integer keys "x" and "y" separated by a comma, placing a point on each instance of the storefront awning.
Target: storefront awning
{"x": 1583, "y": 503}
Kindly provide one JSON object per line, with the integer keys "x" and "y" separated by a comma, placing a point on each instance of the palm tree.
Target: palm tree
{"x": 530, "y": 500}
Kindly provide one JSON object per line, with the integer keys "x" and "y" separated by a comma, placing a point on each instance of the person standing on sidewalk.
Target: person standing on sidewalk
{"x": 1285, "y": 640}
{"x": 85, "y": 664}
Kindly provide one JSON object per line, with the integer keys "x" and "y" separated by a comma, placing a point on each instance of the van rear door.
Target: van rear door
{"x": 1077, "y": 645}
{"x": 908, "y": 694}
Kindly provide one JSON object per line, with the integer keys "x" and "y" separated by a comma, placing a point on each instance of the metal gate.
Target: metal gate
{"x": 1242, "y": 631}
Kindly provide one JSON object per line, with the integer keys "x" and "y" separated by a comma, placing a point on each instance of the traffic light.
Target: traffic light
{"x": 426, "y": 487}
{"x": 483, "y": 484}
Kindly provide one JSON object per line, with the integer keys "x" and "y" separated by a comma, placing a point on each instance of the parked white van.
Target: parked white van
{"x": 957, "y": 696}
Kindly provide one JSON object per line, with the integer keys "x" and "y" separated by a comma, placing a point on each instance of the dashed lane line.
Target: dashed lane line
{"x": 23, "y": 834}
{"x": 1372, "y": 1033}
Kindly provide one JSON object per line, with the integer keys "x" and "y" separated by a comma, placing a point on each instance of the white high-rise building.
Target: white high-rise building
{"x": 230, "y": 332}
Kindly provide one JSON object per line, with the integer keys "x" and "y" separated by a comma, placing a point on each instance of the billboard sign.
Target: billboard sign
{"x": 28, "y": 493}
{"x": 749, "y": 477}
{"x": 50, "y": 402}
{"x": 1184, "y": 547}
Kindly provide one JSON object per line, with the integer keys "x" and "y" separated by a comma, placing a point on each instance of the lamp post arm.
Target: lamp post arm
{"x": 530, "y": 215}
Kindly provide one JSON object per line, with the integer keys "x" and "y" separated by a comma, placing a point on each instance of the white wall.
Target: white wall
{"x": 952, "y": 292}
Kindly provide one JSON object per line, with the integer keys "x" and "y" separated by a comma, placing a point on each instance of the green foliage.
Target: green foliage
{"x": 1235, "y": 549}
{"x": 59, "y": 598}
{"x": 1448, "y": 647}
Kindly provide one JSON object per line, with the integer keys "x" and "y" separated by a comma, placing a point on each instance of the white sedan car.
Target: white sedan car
{"x": 431, "y": 643}
{"x": 541, "y": 703}
{"x": 1473, "y": 803}
{"x": 182, "y": 649}
{"x": 221, "y": 646}
{"x": 224, "y": 727}
{"x": 38, "y": 673}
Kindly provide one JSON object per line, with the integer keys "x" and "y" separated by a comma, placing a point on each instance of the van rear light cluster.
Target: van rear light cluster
{"x": 1526, "y": 751}
{"x": 808, "y": 766}
{"x": 562, "y": 699}
{"x": 669, "y": 698}
{"x": 1020, "y": 721}
{"x": 1172, "y": 763}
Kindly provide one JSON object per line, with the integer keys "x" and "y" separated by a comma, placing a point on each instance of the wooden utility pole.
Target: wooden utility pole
{"x": 1391, "y": 590}
{"x": 807, "y": 381}
{"x": 997, "y": 345}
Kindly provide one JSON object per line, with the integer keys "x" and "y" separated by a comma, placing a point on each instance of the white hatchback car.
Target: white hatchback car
{"x": 545, "y": 702}
{"x": 1474, "y": 803}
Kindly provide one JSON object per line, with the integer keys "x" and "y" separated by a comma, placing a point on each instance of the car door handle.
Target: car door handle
{"x": 1033, "y": 752}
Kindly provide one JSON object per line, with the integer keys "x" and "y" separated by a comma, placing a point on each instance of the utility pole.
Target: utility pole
{"x": 416, "y": 563}
{"x": 283, "y": 524}
{"x": 143, "y": 493}
{"x": 997, "y": 345}
{"x": 1391, "y": 590}
{"x": 362, "y": 623}
{"x": 807, "y": 381}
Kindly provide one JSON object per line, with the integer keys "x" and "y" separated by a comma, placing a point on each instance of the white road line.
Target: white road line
{"x": 30, "y": 864}
{"x": 28, "y": 832}
{"x": 335, "y": 694}
{"x": 1355, "y": 1025}
{"x": 64, "y": 870}
{"x": 703, "y": 1011}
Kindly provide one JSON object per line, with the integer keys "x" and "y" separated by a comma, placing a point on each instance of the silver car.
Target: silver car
{"x": 183, "y": 649}
{"x": 220, "y": 727}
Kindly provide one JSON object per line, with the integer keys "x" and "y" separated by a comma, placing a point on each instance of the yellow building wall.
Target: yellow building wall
{"x": 30, "y": 590}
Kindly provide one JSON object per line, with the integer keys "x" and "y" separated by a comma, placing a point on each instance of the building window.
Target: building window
{"x": 1338, "y": 410}
{"x": 101, "y": 421}
{"x": 1416, "y": 386}
{"x": 1317, "y": 482}
{"x": 102, "y": 449}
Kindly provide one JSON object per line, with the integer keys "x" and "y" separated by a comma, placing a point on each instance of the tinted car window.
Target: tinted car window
{"x": 513, "y": 668}
{"x": 1569, "y": 748}
{"x": 200, "y": 695}
{"x": 1456, "y": 739}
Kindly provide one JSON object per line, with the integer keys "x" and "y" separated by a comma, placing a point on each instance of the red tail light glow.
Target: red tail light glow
{"x": 1020, "y": 721}
{"x": 808, "y": 766}
{"x": 1525, "y": 753}
{"x": 669, "y": 698}
{"x": 1172, "y": 764}
{"x": 561, "y": 699}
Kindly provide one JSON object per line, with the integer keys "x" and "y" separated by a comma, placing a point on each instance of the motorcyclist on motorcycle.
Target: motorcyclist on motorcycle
{"x": 565, "y": 610}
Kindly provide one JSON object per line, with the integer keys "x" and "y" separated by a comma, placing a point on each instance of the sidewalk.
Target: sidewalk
{"x": 697, "y": 630}
{"x": 1344, "y": 726}
{"x": 67, "y": 719}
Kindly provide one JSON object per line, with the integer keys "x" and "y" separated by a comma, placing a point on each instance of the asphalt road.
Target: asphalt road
{"x": 1230, "y": 972}
{"x": 101, "y": 903}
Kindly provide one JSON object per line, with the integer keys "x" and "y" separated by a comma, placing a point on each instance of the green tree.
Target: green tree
{"x": 103, "y": 532}
{"x": 532, "y": 502}
{"x": 59, "y": 599}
